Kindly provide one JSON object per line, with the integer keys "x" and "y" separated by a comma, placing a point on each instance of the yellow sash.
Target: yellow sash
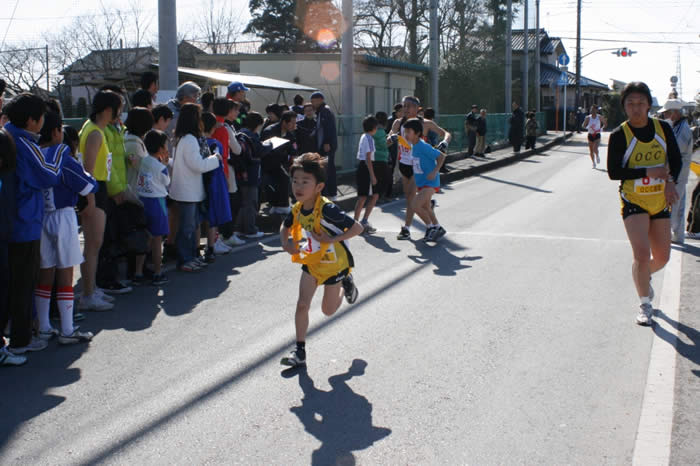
{"x": 297, "y": 235}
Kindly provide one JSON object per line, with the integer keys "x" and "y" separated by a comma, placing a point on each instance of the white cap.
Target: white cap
{"x": 672, "y": 104}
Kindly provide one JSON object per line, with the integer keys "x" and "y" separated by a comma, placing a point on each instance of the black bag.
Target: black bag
{"x": 241, "y": 161}
{"x": 132, "y": 230}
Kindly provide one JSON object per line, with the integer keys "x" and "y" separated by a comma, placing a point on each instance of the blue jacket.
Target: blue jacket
{"x": 33, "y": 174}
{"x": 74, "y": 180}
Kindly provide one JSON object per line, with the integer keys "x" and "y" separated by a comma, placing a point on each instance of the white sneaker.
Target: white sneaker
{"x": 99, "y": 292}
{"x": 259, "y": 234}
{"x": 691, "y": 235}
{"x": 75, "y": 337}
{"x": 234, "y": 240}
{"x": 94, "y": 303}
{"x": 36, "y": 344}
{"x": 221, "y": 248}
{"x": 48, "y": 334}
{"x": 645, "y": 313}
{"x": 7, "y": 358}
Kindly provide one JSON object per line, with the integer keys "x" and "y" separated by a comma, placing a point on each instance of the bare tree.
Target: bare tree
{"x": 376, "y": 28}
{"x": 220, "y": 26}
{"x": 24, "y": 67}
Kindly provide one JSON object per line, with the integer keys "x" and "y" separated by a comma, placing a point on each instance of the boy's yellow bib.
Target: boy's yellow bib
{"x": 647, "y": 193}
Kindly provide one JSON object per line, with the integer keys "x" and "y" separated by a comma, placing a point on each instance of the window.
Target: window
{"x": 369, "y": 100}
{"x": 397, "y": 97}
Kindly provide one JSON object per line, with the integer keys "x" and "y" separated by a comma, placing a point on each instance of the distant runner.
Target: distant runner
{"x": 594, "y": 123}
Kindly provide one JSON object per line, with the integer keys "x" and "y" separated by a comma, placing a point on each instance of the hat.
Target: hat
{"x": 237, "y": 86}
{"x": 475, "y": 106}
{"x": 187, "y": 89}
{"x": 672, "y": 104}
{"x": 317, "y": 95}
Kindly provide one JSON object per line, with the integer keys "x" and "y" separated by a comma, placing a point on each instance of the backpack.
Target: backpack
{"x": 241, "y": 162}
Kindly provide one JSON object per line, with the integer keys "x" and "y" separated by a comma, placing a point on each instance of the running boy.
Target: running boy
{"x": 426, "y": 170}
{"x": 60, "y": 243}
{"x": 325, "y": 257}
{"x": 152, "y": 188}
{"x": 366, "y": 179}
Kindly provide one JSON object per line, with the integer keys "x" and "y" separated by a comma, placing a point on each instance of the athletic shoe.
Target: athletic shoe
{"x": 234, "y": 240}
{"x": 691, "y": 235}
{"x": 293, "y": 359}
{"x": 117, "y": 288}
{"x": 404, "y": 234}
{"x": 94, "y": 303}
{"x": 429, "y": 234}
{"x": 645, "y": 314}
{"x": 75, "y": 337}
{"x": 159, "y": 279}
{"x": 35, "y": 345}
{"x": 438, "y": 233}
{"x": 99, "y": 292}
{"x": 256, "y": 235}
{"x": 368, "y": 228}
{"x": 9, "y": 359}
{"x": 78, "y": 316}
{"x": 220, "y": 248}
{"x": 593, "y": 167}
{"x": 138, "y": 280}
{"x": 350, "y": 289}
{"x": 209, "y": 257}
{"x": 49, "y": 334}
{"x": 191, "y": 266}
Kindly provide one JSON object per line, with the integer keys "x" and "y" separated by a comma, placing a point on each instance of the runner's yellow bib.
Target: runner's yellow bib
{"x": 647, "y": 193}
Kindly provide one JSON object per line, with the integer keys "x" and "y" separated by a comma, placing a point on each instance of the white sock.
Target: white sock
{"x": 65, "y": 308}
{"x": 42, "y": 301}
{"x": 645, "y": 300}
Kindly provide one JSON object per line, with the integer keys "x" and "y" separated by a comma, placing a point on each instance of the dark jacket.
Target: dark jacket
{"x": 283, "y": 154}
{"x": 306, "y": 136}
{"x": 517, "y": 125}
{"x": 481, "y": 126}
{"x": 325, "y": 129}
{"x": 259, "y": 151}
{"x": 7, "y": 204}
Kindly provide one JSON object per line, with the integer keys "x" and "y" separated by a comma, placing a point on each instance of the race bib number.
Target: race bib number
{"x": 313, "y": 245}
{"x": 109, "y": 166}
{"x": 416, "y": 166}
{"x": 648, "y": 185}
{"x": 145, "y": 182}
{"x": 404, "y": 148}
{"x": 49, "y": 204}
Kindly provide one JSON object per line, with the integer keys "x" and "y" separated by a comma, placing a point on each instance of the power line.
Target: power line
{"x": 635, "y": 41}
{"x": 9, "y": 24}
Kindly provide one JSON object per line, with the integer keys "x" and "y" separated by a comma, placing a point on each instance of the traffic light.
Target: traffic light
{"x": 624, "y": 52}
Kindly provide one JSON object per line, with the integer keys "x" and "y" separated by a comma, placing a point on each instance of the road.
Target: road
{"x": 511, "y": 342}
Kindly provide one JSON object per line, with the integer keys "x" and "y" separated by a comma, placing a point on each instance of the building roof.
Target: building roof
{"x": 548, "y": 45}
{"x": 550, "y": 74}
{"x": 101, "y": 60}
{"x": 243, "y": 47}
{"x": 391, "y": 63}
{"x": 252, "y": 81}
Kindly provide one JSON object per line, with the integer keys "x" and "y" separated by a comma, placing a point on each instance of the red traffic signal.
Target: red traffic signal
{"x": 624, "y": 52}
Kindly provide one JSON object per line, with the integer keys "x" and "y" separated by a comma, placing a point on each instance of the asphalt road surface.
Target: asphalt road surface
{"x": 512, "y": 341}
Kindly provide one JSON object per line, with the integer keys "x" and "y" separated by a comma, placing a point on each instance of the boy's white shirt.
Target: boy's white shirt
{"x": 363, "y": 155}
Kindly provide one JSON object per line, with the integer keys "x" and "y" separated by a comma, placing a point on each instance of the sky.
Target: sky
{"x": 618, "y": 22}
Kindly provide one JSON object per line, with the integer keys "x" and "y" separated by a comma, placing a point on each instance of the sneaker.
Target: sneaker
{"x": 368, "y": 228}
{"x": 220, "y": 248}
{"x": 351, "y": 292}
{"x": 75, "y": 337}
{"x": 438, "y": 233}
{"x": 234, "y": 240}
{"x": 35, "y": 345}
{"x": 78, "y": 316}
{"x": 191, "y": 266}
{"x": 9, "y": 359}
{"x": 48, "y": 334}
{"x": 104, "y": 296}
{"x": 258, "y": 234}
{"x": 94, "y": 303}
{"x": 117, "y": 288}
{"x": 138, "y": 280}
{"x": 159, "y": 279}
{"x": 428, "y": 234}
{"x": 645, "y": 314}
{"x": 293, "y": 359}
{"x": 404, "y": 234}
{"x": 209, "y": 257}
{"x": 691, "y": 235}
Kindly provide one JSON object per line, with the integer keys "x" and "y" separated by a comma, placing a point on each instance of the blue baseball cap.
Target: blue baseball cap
{"x": 237, "y": 86}
{"x": 317, "y": 95}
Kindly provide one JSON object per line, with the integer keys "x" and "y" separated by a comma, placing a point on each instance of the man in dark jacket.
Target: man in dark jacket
{"x": 481, "y": 129}
{"x": 276, "y": 163}
{"x": 517, "y": 125}
{"x": 306, "y": 131}
{"x": 326, "y": 141}
{"x": 470, "y": 127}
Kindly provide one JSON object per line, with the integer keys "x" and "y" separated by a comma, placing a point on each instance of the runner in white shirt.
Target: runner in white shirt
{"x": 594, "y": 123}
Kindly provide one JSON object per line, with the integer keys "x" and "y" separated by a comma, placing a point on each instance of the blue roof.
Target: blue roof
{"x": 380, "y": 61}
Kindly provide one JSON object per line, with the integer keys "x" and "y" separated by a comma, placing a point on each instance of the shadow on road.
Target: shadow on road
{"x": 380, "y": 243}
{"x": 689, "y": 351}
{"x": 447, "y": 263}
{"x": 513, "y": 183}
{"x": 340, "y": 418}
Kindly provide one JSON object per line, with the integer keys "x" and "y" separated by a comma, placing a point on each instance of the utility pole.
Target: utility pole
{"x": 167, "y": 46}
{"x": 434, "y": 65}
{"x": 346, "y": 78}
{"x": 48, "y": 82}
{"x": 509, "y": 56}
{"x": 525, "y": 62}
{"x": 577, "y": 98}
{"x": 537, "y": 57}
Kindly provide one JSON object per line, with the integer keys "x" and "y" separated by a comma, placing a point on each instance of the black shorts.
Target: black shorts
{"x": 334, "y": 280}
{"x": 628, "y": 208}
{"x": 101, "y": 198}
{"x": 363, "y": 179}
{"x": 593, "y": 138}
{"x": 406, "y": 170}
{"x": 383, "y": 174}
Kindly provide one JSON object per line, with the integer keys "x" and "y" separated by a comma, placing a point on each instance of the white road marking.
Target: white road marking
{"x": 653, "y": 443}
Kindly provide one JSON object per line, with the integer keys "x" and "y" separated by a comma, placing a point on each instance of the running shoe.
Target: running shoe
{"x": 138, "y": 280}
{"x": 75, "y": 337}
{"x": 94, "y": 303}
{"x": 351, "y": 292}
{"x": 78, "y": 316}
{"x": 438, "y": 233}
{"x": 234, "y": 240}
{"x": 36, "y": 344}
{"x": 159, "y": 279}
{"x": 99, "y": 292}
{"x": 368, "y": 228}
{"x": 7, "y": 358}
{"x": 220, "y": 248}
{"x": 256, "y": 235}
{"x": 691, "y": 235}
{"x": 429, "y": 234}
{"x": 294, "y": 359}
{"x": 117, "y": 288}
{"x": 209, "y": 257}
{"x": 191, "y": 266}
{"x": 404, "y": 234}
{"x": 48, "y": 334}
{"x": 645, "y": 313}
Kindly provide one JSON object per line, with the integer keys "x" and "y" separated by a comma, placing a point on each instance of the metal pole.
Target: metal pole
{"x": 577, "y": 99}
{"x": 563, "y": 120}
{"x": 538, "y": 85}
{"x": 48, "y": 82}
{"x": 434, "y": 68}
{"x": 509, "y": 56}
{"x": 167, "y": 45}
{"x": 526, "y": 56}
{"x": 346, "y": 79}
